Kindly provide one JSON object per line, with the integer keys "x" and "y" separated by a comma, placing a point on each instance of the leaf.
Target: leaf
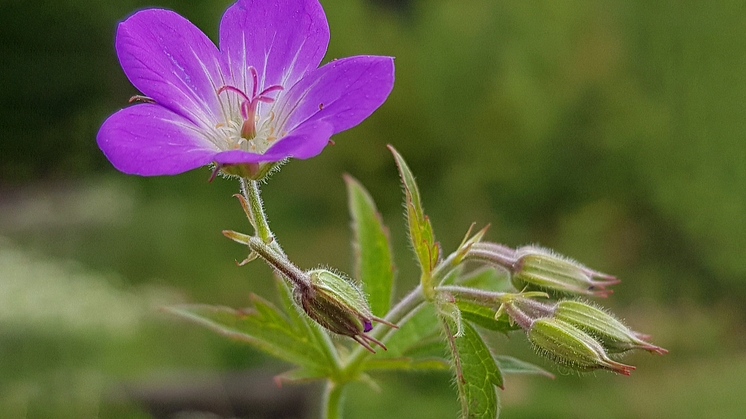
{"x": 487, "y": 279}
{"x": 406, "y": 364}
{"x": 479, "y": 375}
{"x": 263, "y": 326}
{"x": 313, "y": 332}
{"x": 420, "y": 229}
{"x": 373, "y": 264}
{"x": 510, "y": 365}
{"x": 485, "y": 317}
{"x": 422, "y": 326}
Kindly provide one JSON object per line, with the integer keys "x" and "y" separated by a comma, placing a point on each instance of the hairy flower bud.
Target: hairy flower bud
{"x": 538, "y": 268}
{"x": 339, "y": 306}
{"x": 568, "y": 345}
{"x": 613, "y": 334}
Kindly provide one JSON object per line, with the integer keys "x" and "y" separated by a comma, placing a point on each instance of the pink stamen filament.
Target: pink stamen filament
{"x": 248, "y": 106}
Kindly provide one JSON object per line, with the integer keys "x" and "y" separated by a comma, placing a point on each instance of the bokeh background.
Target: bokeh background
{"x": 610, "y": 131}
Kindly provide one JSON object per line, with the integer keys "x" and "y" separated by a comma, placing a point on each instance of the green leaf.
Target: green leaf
{"x": 373, "y": 264}
{"x": 263, "y": 326}
{"x": 487, "y": 279}
{"x": 420, "y": 229}
{"x": 406, "y": 364}
{"x": 479, "y": 376}
{"x": 422, "y": 326}
{"x": 302, "y": 322}
{"x": 510, "y": 365}
{"x": 485, "y": 317}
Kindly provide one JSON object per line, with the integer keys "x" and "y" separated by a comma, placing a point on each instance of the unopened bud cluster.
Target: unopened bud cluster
{"x": 577, "y": 334}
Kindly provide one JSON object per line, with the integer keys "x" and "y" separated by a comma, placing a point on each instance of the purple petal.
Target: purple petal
{"x": 343, "y": 92}
{"x": 149, "y": 140}
{"x": 303, "y": 143}
{"x": 367, "y": 326}
{"x": 281, "y": 39}
{"x": 170, "y": 60}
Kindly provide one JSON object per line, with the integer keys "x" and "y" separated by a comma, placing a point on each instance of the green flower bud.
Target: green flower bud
{"x": 339, "y": 306}
{"x": 567, "y": 345}
{"x": 537, "y": 268}
{"x": 613, "y": 334}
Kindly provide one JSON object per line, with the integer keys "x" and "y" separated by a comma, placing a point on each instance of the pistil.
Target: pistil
{"x": 248, "y": 105}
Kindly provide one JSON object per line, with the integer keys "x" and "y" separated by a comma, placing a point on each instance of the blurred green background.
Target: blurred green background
{"x": 612, "y": 132}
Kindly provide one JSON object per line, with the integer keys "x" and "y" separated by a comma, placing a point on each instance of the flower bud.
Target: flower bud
{"x": 613, "y": 334}
{"x": 538, "y": 268}
{"x": 339, "y": 306}
{"x": 567, "y": 345}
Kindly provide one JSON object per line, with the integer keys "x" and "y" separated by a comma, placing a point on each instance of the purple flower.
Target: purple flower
{"x": 259, "y": 98}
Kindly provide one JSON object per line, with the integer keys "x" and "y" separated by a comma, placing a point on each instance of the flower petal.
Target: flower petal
{"x": 170, "y": 60}
{"x": 342, "y": 93}
{"x": 303, "y": 143}
{"x": 281, "y": 39}
{"x": 149, "y": 140}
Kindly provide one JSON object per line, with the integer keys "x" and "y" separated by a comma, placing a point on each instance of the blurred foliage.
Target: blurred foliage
{"x": 612, "y": 132}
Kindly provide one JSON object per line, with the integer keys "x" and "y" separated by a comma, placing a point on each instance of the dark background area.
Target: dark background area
{"x": 612, "y": 132}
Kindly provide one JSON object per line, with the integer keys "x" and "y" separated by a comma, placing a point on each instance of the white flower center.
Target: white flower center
{"x": 246, "y": 126}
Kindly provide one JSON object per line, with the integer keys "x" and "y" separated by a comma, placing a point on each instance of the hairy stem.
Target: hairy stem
{"x": 475, "y": 295}
{"x": 281, "y": 263}
{"x": 250, "y": 191}
{"x": 268, "y": 245}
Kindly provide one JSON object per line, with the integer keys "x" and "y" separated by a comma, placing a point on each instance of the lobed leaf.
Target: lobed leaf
{"x": 262, "y": 326}
{"x": 479, "y": 375}
{"x": 373, "y": 262}
{"x": 420, "y": 229}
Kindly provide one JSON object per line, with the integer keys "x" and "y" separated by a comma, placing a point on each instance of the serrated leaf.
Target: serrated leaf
{"x": 373, "y": 264}
{"x": 480, "y": 375}
{"x": 420, "y": 229}
{"x": 485, "y": 317}
{"x": 263, "y": 326}
{"x": 304, "y": 323}
{"x": 510, "y": 365}
{"x": 406, "y": 364}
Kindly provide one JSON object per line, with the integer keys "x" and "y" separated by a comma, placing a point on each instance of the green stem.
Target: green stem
{"x": 475, "y": 295}
{"x": 250, "y": 191}
{"x": 332, "y": 400}
{"x": 281, "y": 264}
{"x": 398, "y": 315}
